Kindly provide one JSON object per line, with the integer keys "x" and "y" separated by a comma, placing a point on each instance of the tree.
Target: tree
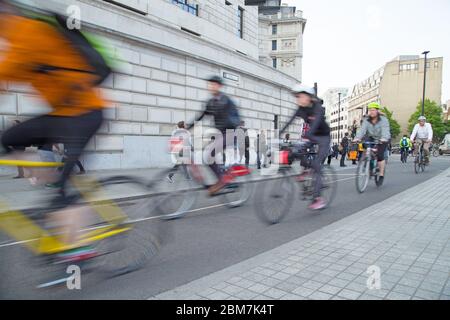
{"x": 433, "y": 113}
{"x": 395, "y": 127}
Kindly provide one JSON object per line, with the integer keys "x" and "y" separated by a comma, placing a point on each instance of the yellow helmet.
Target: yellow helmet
{"x": 374, "y": 105}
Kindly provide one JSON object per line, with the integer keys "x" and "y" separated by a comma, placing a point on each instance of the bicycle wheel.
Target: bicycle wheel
{"x": 180, "y": 193}
{"x": 238, "y": 192}
{"x": 436, "y": 153}
{"x": 329, "y": 185}
{"x": 417, "y": 164}
{"x": 146, "y": 232}
{"x": 275, "y": 197}
{"x": 362, "y": 175}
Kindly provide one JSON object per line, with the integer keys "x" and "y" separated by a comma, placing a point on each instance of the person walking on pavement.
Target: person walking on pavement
{"x": 243, "y": 142}
{"x": 344, "y": 148}
{"x": 261, "y": 149}
{"x": 180, "y": 133}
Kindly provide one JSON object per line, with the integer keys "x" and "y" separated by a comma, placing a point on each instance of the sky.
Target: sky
{"x": 345, "y": 41}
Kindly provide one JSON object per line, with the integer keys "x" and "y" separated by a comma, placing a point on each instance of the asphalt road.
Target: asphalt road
{"x": 213, "y": 238}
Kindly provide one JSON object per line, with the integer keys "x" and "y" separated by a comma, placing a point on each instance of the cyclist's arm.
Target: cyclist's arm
{"x": 288, "y": 123}
{"x": 319, "y": 115}
{"x": 361, "y": 132}
{"x": 430, "y": 132}
{"x": 385, "y": 131}
{"x": 414, "y": 133}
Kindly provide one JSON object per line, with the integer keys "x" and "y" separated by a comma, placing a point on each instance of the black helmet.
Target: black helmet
{"x": 216, "y": 79}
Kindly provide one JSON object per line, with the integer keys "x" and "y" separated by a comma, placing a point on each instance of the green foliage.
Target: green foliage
{"x": 395, "y": 127}
{"x": 433, "y": 113}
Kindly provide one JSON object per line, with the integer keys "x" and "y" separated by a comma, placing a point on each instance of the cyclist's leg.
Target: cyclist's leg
{"x": 323, "y": 142}
{"x": 75, "y": 134}
{"x": 426, "y": 148}
{"x": 381, "y": 153}
{"x": 25, "y": 134}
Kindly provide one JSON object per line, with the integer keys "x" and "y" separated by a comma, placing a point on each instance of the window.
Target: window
{"x": 274, "y": 62}
{"x": 186, "y": 6}
{"x": 241, "y": 22}
{"x": 274, "y": 45}
{"x": 436, "y": 64}
{"x": 274, "y": 28}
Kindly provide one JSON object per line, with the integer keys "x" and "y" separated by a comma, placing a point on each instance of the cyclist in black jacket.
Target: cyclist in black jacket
{"x": 311, "y": 111}
{"x": 226, "y": 117}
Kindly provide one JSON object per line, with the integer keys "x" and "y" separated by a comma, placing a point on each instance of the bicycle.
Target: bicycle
{"x": 367, "y": 167}
{"x": 194, "y": 176}
{"x": 404, "y": 155}
{"x": 124, "y": 238}
{"x": 419, "y": 160}
{"x": 275, "y": 196}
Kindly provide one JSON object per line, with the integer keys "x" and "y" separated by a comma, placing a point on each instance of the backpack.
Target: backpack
{"x": 89, "y": 46}
{"x": 233, "y": 119}
{"x": 404, "y": 143}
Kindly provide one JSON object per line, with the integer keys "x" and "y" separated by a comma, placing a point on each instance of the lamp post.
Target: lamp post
{"x": 424, "y": 80}
{"x": 339, "y": 117}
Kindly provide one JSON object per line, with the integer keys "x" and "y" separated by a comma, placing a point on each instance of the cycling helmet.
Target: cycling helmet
{"x": 299, "y": 88}
{"x": 216, "y": 79}
{"x": 422, "y": 118}
{"x": 374, "y": 105}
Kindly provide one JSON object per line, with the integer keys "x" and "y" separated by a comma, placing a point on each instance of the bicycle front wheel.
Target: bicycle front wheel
{"x": 275, "y": 197}
{"x": 363, "y": 175}
{"x": 329, "y": 185}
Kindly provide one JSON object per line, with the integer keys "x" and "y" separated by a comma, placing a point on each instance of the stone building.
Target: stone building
{"x": 281, "y": 39}
{"x": 398, "y": 85}
{"x": 167, "y": 48}
{"x": 338, "y": 120}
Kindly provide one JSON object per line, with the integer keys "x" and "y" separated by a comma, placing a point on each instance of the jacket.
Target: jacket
{"x": 378, "y": 131}
{"x": 428, "y": 131}
{"x": 314, "y": 116}
{"x": 218, "y": 107}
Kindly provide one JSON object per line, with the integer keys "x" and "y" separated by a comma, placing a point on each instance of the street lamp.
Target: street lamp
{"x": 424, "y": 80}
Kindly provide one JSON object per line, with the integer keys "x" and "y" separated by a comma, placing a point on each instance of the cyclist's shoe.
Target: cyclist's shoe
{"x": 215, "y": 188}
{"x": 169, "y": 177}
{"x": 380, "y": 181}
{"x": 318, "y": 204}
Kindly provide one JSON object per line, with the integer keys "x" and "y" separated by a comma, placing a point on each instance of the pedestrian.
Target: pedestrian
{"x": 20, "y": 172}
{"x": 261, "y": 149}
{"x": 179, "y": 134}
{"x": 336, "y": 151}
{"x": 344, "y": 149}
{"x": 243, "y": 142}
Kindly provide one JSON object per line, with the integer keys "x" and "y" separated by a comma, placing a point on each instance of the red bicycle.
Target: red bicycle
{"x": 187, "y": 179}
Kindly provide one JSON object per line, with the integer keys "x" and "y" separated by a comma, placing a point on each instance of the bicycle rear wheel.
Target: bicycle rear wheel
{"x": 275, "y": 197}
{"x": 362, "y": 175}
{"x": 238, "y": 192}
{"x": 417, "y": 163}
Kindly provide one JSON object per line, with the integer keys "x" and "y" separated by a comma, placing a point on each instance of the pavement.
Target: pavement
{"x": 397, "y": 249}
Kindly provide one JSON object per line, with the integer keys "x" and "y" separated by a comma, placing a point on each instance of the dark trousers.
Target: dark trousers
{"x": 324, "y": 146}
{"x": 73, "y": 132}
{"x": 343, "y": 155}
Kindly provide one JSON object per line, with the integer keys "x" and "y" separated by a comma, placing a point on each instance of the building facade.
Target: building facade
{"x": 167, "y": 48}
{"x": 281, "y": 40}
{"x": 398, "y": 86}
{"x": 333, "y": 100}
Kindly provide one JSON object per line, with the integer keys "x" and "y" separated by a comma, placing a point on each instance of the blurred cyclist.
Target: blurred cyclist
{"x": 311, "y": 111}
{"x": 226, "y": 117}
{"x": 376, "y": 128}
{"x": 44, "y": 55}
{"x": 36, "y": 52}
{"x": 422, "y": 135}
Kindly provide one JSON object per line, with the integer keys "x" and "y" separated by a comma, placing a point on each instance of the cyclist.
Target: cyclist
{"x": 422, "y": 135}
{"x": 38, "y": 53}
{"x": 311, "y": 111}
{"x": 226, "y": 117}
{"x": 405, "y": 146}
{"x": 376, "y": 128}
